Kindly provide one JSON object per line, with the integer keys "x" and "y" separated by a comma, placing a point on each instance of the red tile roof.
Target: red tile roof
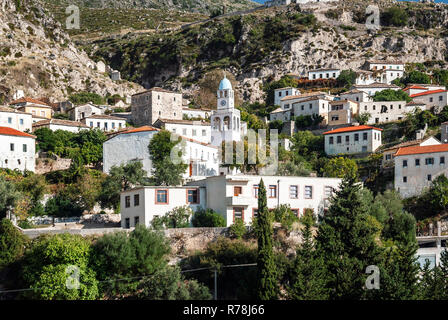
{"x": 141, "y": 129}
{"x": 13, "y": 132}
{"x": 30, "y": 100}
{"x": 426, "y": 93}
{"x": 415, "y": 87}
{"x": 350, "y": 129}
{"x": 422, "y": 149}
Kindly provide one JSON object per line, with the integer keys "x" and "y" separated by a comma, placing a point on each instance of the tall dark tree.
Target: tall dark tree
{"x": 347, "y": 241}
{"x": 267, "y": 288}
{"x": 434, "y": 282}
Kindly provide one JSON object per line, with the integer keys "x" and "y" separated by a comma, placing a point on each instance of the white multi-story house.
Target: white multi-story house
{"x": 287, "y": 103}
{"x": 342, "y": 112}
{"x": 17, "y": 150}
{"x": 386, "y": 111}
{"x": 104, "y": 122}
{"x": 280, "y": 93}
{"x": 417, "y": 166}
{"x": 312, "y": 106}
{"x": 375, "y": 87}
{"x": 385, "y": 65}
{"x": 132, "y": 145}
{"x": 432, "y": 98}
{"x": 198, "y": 130}
{"x": 317, "y": 74}
{"x": 80, "y": 112}
{"x": 58, "y": 124}
{"x": 232, "y": 196}
{"x": 15, "y": 119}
{"x": 352, "y": 140}
{"x": 355, "y": 95}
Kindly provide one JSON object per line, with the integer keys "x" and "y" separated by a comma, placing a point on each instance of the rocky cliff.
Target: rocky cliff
{"x": 38, "y": 57}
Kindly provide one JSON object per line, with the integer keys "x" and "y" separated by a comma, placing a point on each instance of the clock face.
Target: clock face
{"x": 223, "y": 102}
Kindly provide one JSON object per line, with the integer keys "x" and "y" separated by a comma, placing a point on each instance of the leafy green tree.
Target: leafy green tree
{"x": 340, "y": 167}
{"x": 207, "y": 218}
{"x": 237, "y": 229}
{"x": 121, "y": 178}
{"x": 165, "y": 171}
{"x": 363, "y": 118}
{"x": 434, "y": 282}
{"x": 346, "y": 78}
{"x": 179, "y": 217}
{"x": 267, "y": 277}
{"x": 62, "y": 205}
{"x": 285, "y": 216}
{"x": 395, "y": 16}
{"x": 169, "y": 284}
{"x": 347, "y": 241}
{"x": 416, "y": 77}
{"x": 85, "y": 97}
{"x": 8, "y": 195}
{"x": 291, "y": 168}
{"x": 45, "y": 268}
{"x": 121, "y": 256}
{"x": 12, "y": 243}
{"x": 90, "y": 143}
{"x": 391, "y": 95}
{"x": 308, "y": 280}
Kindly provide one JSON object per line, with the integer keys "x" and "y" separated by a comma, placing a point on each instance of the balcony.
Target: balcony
{"x": 238, "y": 201}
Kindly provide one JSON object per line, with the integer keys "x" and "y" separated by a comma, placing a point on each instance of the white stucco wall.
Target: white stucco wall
{"x": 105, "y": 124}
{"x": 16, "y": 120}
{"x": 10, "y": 159}
{"x": 353, "y": 147}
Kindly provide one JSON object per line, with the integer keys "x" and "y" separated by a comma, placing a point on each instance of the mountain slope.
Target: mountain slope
{"x": 38, "y": 57}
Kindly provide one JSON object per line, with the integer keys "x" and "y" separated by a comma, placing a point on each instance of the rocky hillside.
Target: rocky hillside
{"x": 203, "y": 6}
{"x": 269, "y": 43}
{"x": 38, "y": 57}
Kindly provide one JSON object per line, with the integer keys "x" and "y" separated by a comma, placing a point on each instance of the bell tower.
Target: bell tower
{"x": 226, "y": 98}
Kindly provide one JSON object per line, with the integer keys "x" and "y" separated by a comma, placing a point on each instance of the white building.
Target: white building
{"x": 15, "y": 119}
{"x": 417, "y": 166}
{"x": 190, "y": 113}
{"x": 232, "y": 196}
{"x": 17, "y": 150}
{"x": 80, "y": 112}
{"x": 312, "y": 106}
{"x": 226, "y": 119}
{"x": 58, "y": 124}
{"x": 280, "y": 93}
{"x": 318, "y": 74}
{"x": 198, "y": 130}
{"x": 375, "y": 87}
{"x": 387, "y": 111}
{"x": 352, "y": 140}
{"x": 104, "y": 122}
{"x": 432, "y": 98}
{"x": 287, "y": 103}
{"x": 280, "y": 114}
{"x": 132, "y": 145}
{"x": 355, "y": 95}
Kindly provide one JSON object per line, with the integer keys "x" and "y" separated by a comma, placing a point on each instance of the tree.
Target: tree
{"x": 117, "y": 256}
{"x": 207, "y": 218}
{"x": 169, "y": 284}
{"x": 340, "y": 167}
{"x": 165, "y": 171}
{"x": 346, "y": 78}
{"x": 12, "y": 243}
{"x": 237, "y": 229}
{"x": 416, "y": 77}
{"x": 179, "y": 217}
{"x": 395, "y": 16}
{"x": 347, "y": 242}
{"x": 86, "y": 97}
{"x": 434, "y": 282}
{"x": 51, "y": 261}
{"x": 8, "y": 195}
{"x": 308, "y": 272}
{"x": 391, "y": 95}
{"x": 363, "y": 118}
{"x": 285, "y": 216}
{"x": 121, "y": 178}
{"x": 267, "y": 277}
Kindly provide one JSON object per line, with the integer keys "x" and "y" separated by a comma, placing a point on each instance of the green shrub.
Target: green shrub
{"x": 12, "y": 243}
{"x": 238, "y": 229}
{"x": 207, "y": 218}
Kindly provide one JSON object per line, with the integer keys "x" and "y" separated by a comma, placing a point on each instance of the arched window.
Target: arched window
{"x": 234, "y": 123}
{"x": 217, "y": 123}
{"x": 226, "y": 122}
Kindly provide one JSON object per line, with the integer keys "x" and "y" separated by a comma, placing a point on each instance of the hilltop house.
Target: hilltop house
{"x": 238, "y": 197}
{"x": 352, "y": 140}
{"x": 15, "y": 119}
{"x": 386, "y": 111}
{"x": 280, "y": 93}
{"x": 318, "y": 74}
{"x": 17, "y": 150}
{"x": 432, "y": 98}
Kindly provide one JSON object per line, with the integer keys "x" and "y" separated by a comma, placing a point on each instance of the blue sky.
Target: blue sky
{"x": 443, "y": 1}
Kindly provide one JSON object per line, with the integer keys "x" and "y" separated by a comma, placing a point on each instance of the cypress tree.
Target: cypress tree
{"x": 267, "y": 276}
{"x": 434, "y": 282}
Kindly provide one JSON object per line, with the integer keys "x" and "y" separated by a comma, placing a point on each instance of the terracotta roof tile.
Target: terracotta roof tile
{"x": 422, "y": 149}
{"x": 427, "y": 92}
{"x": 13, "y": 132}
{"x": 30, "y": 100}
{"x": 350, "y": 129}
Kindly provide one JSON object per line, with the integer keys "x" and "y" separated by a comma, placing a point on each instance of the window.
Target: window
{"x": 25, "y": 148}
{"x": 388, "y": 156}
{"x": 308, "y": 192}
{"x": 254, "y": 212}
{"x": 293, "y": 192}
{"x": 347, "y": 139}
{"x": 364, "y": 148}
{"x": 21, "y": 121}
{"x": 184, "y": 131}
{"x": 431, "y": 99}
{"x": 339, "y": 139}
{"x": 280, "y": 94}
{"x": 356, "y": 136}
{"x": 442, "y": 160}
{"x": 440, "y": 98}
{"x": 42, "y": 113}
{"x": 136, "y": 221}
{"x": 429, "y": 177}
{"x": 405, "y": 179}
{"x": 113, "y": 125}
{"x": 91, "y": 124}
{"x": 9, "y": 120}
{"x": 272, "y": 191}
{"x": 193, "y": 196}
{"x": 98, "y": 124}
{"x": 127, "y": 223}
{"x": 11, "y": 146}
{"x": 364, "y": 136}
{"x": 136, "y": 200}
{"x": 237, "y": 191}
{"x": 194, "y": 132}
{"x": 331, "y": 140}
{"x": 162, "y": 196}
{"x": 311, "y": 106}
{"x": 328, "y": 192}
{"x": 405, "y": 163}
{"x": 204, "y": 133}
{"x": 417, "y": 162}
{"x": 296, "y": 212}
{"x": 238, "y": 213}
{"x": 127, "y": 201}
{"x": 105, "y": 125}
{"x": 255, "y": 189}
{"x": 429, "y": 161}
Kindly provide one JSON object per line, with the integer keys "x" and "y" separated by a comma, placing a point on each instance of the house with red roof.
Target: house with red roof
{"x": 352, "y": 140}
{"x": 132, "y": 145}
{"x": 432, "y": 98}
{"x": 417, "y": 166}
{"x": 17, "y": 150}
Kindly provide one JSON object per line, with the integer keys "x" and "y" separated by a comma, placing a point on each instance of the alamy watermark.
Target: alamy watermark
{"x": 73, "y": 19}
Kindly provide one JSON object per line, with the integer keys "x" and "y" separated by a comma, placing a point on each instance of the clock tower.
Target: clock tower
{"x": 225, "y": 120}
